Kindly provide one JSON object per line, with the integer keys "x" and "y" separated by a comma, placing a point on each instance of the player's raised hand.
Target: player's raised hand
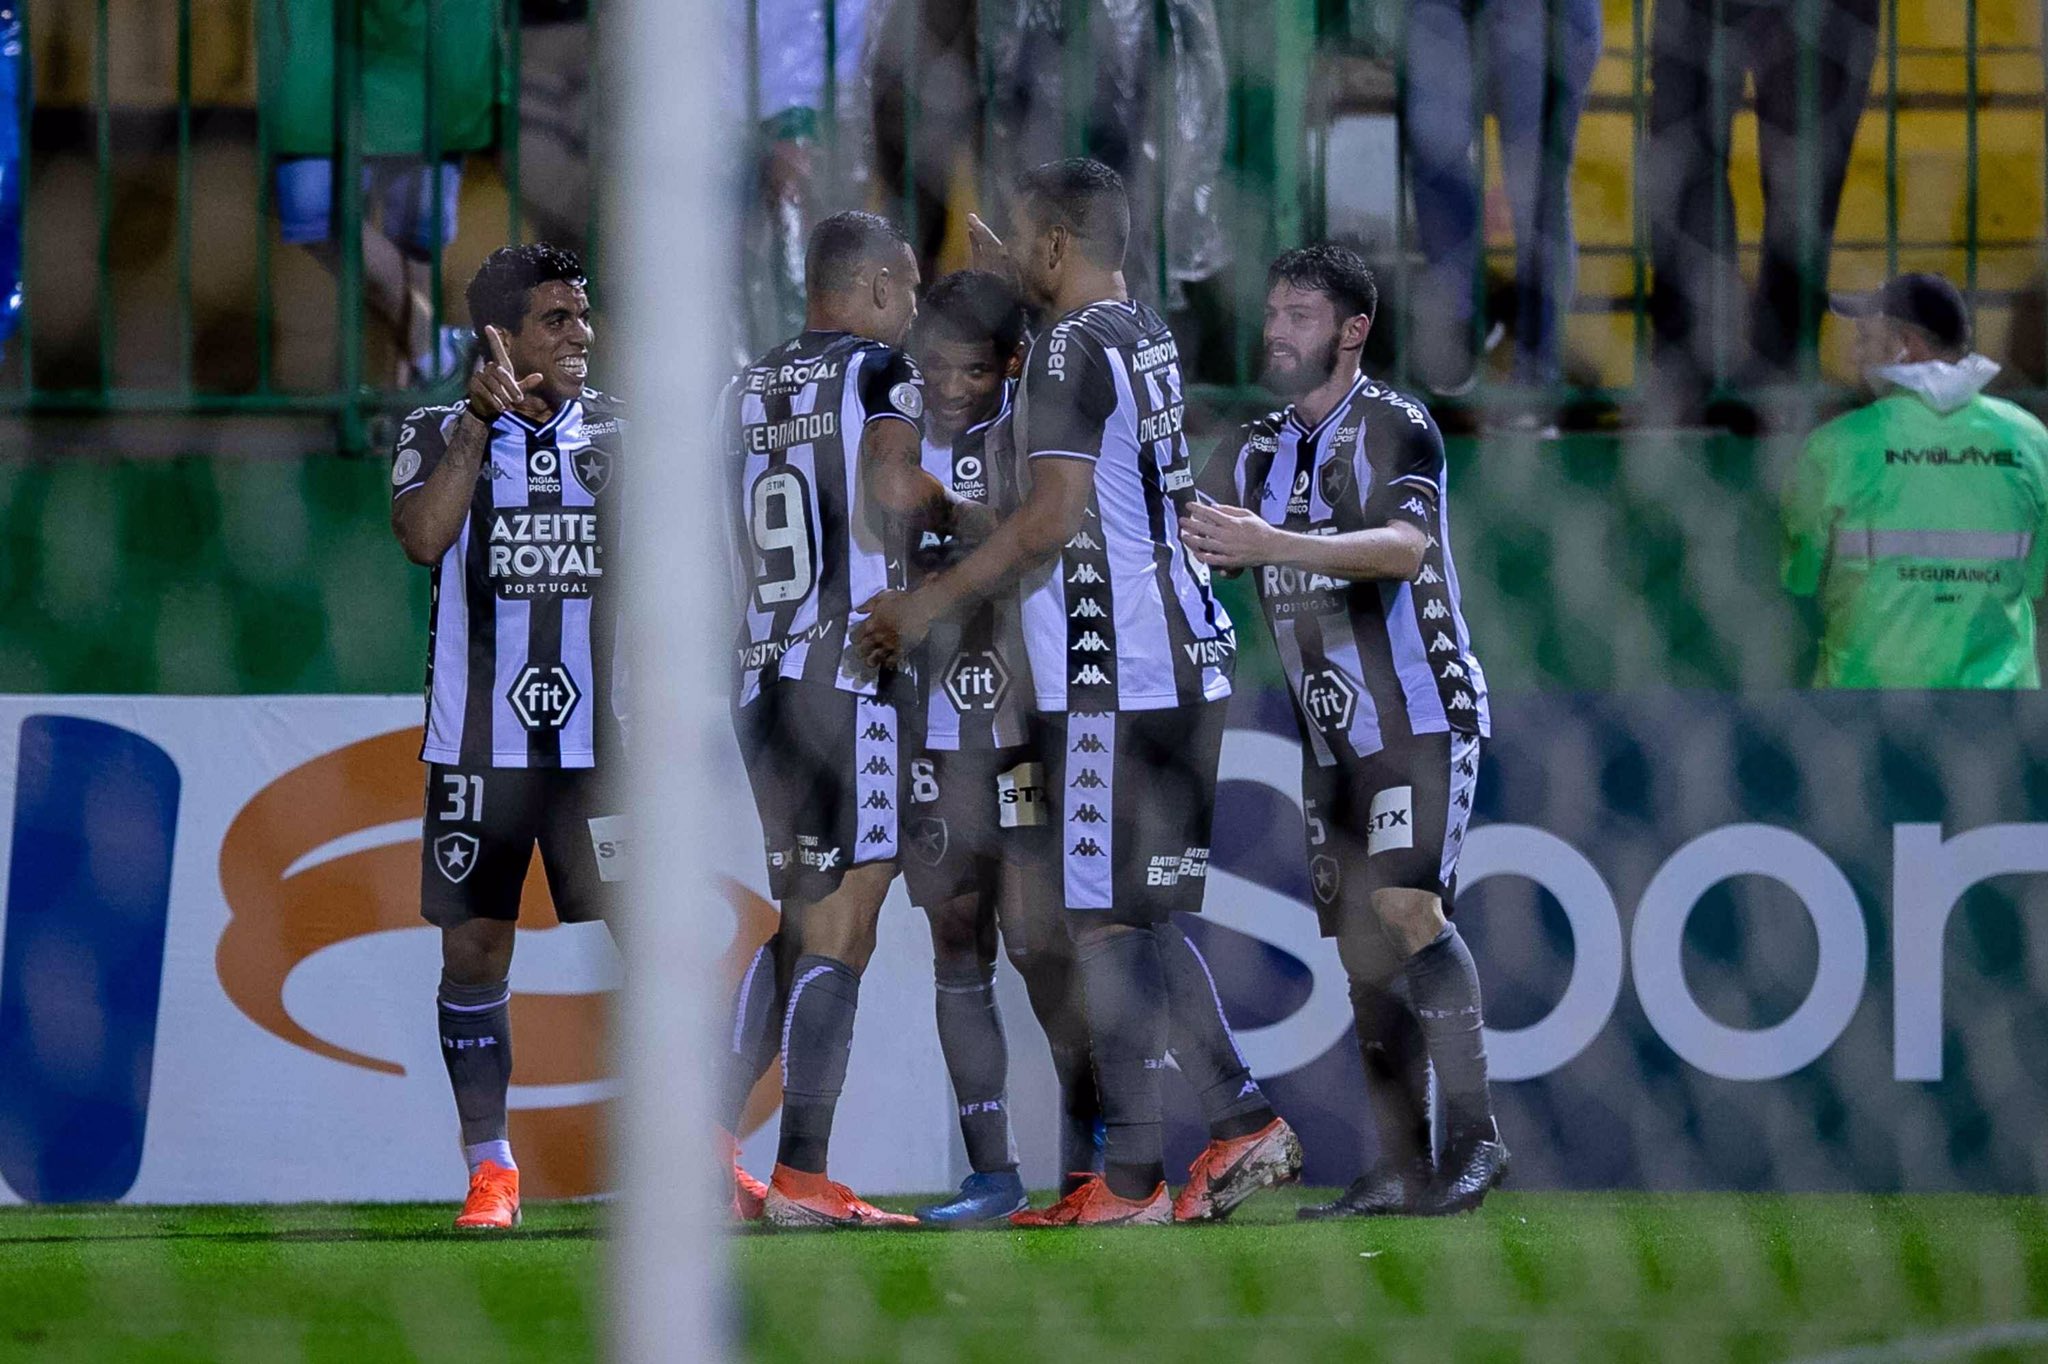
{"x": 1223, "y": 536}
{"x": 496, "y": 388}
{"x": 893, "y": 628}
{"x": 987, "y": 250}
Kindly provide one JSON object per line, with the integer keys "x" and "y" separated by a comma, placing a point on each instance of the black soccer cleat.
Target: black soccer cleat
{"x": 1386, "y": 1190}
{"x": 1471, "y": 1172}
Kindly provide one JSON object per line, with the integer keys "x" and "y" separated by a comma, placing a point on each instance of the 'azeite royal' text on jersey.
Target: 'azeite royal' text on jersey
{"x": 1368, "y": 662}
{"x": 977, "y": 678}
{"x": 809, "y": 550}
{"x": 1124, "y": 618}
{"x": 521, "y": 644}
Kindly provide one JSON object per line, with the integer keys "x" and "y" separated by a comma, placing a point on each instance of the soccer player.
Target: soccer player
{"x": 1337, "y": 502}
{"x": 1130, "y": 659}
{"x": 511, "y": 496}
{"x": 979, "y": 846}
{"x": 824, "y": 434}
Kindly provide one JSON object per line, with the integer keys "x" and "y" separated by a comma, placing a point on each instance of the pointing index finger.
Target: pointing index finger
{"x": 497, "y": 340}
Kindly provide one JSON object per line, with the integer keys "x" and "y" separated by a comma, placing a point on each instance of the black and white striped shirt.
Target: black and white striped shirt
{"x": 977, "y": 676}
{"x": 521, "y": 646}
{"x": 1124, "y": 619}
{"x": 809, "y": 548}
{"x": 1368, "y": 662}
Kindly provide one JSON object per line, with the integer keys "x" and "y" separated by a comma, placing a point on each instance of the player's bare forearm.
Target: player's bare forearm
{"x": 1390, "y": 553}
{"x": 429, "y": 519}
{"x": 898, "y": 487}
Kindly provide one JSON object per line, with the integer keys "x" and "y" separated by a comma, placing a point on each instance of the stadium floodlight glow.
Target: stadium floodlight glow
{"x": 667, "y": 249}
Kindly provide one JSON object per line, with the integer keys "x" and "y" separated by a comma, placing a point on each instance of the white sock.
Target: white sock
{"x": 497, "y": 1152}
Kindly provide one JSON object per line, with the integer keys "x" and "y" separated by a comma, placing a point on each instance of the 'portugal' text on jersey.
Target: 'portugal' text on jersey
{"x": 521, "y": 649}
{"x": 976, "y": 676}
{"x": 1124, "y": 618}
{"x": 809, "y": 551}
{"x": 1368, "y": 662}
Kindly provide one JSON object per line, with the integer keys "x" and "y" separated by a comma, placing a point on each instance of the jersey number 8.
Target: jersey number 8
{"x": 781, "y": 522}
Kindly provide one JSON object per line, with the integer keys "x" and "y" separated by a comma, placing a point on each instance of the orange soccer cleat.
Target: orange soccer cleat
{"x": 1093, "y": 1205}
{"x": 749, "y": 1194}
{"x": 800, "y": 1199}
{"x": 493, "y": 1202}
{"x": 1229, "y": 1172}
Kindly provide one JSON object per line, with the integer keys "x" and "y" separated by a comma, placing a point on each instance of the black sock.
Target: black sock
{"x": 978, "y": 1060}
{"x": 817, "y": 1039}
{"x": 1051, "y": 981}
{"x": 1396, "y": 1070}
{"x": 476, "y": 1044}
{"x": 1125, "y": 983}
{"x": 1200, "y": 1039}
{"x": 1445, "y": 987}
{"x": 756, "y": 1031}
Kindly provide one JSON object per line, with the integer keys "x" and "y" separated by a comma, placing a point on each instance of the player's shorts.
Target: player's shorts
{"x": 829, "y": 770}
{"x": 1133, "y": 795}
{"x": 482, "y": 824}
{"x": 971, "y": 810}
{"x": 401, "y": 188}
{"x": 1393, "y": 821}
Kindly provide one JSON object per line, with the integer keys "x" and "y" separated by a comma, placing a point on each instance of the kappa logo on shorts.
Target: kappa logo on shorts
{"x": 876, "y": 801}
{"x": 929, "y": 839}
{"x": 1434, "y": 609}
{"x": 1091, "y": 676}
{"x": 1088, "y": 814}
{"x": 877, "y": 732}
{"x": 875, "y": 834}
{"x": 1088, "y": 743}
{"x": 1391, "y": 825}
{"x": 455, "y": 854}
{"x": 543, "y": 698}
{"x": 1088, "y": 609}
{"x": 1089, "y": 780}
{"x": 1325, "y": 878}
{"x": 1087, "y": 847}
{"x": 878, "y": 766}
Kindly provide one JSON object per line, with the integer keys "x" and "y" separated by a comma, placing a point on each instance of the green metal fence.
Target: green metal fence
{"x": 1298, "y": 72}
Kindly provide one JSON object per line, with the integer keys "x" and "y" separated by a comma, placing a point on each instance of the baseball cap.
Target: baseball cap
{"x": 1926, "y": 301}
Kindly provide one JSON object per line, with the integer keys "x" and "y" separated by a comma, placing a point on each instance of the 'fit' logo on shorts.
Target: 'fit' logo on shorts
{"x": 1391, "y": 825}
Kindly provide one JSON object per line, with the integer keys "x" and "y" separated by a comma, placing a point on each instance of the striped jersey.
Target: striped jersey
{"x": 1368, "y": 662}
{"x": 976, "y": 675}
{"x": 1124, "y": 618}
{"x": 523, "y": 626}
{"x": 808, "y": 548}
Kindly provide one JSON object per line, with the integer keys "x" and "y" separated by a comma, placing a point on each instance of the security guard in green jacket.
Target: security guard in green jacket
{"x": 1921, "y": 520}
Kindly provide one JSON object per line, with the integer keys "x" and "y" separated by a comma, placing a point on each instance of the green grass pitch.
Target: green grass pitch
{"x": 1532, "y": 1277}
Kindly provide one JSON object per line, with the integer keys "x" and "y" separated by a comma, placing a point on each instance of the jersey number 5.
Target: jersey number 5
{"x": 780, "y": 508}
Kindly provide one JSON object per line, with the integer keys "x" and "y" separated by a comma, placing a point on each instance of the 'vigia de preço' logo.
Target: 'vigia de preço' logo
{"x": 287, "y": 903}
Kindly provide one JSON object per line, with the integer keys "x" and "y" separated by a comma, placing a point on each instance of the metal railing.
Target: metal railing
{"x": 1295, "y": 70}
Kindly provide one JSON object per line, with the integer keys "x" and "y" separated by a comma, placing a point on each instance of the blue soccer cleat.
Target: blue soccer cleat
{"x": 983, "y": 1199}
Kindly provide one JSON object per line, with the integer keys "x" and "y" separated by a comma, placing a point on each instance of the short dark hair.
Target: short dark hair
{"x": 1337, "y": 272}
{"x": 975, "y": 306}
{"x": 497, "y": 295}
{"x": 844, "y": 242}
{"x": 1085, "y": 197}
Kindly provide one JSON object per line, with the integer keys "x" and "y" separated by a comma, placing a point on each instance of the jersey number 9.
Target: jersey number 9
{"x": 786, "y": 569}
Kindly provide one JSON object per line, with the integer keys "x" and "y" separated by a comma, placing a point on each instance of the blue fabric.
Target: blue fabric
{"x": 401, "y": 190}
{"x": 1450, "y": 42}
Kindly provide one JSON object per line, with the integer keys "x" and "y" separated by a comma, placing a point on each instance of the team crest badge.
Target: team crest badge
{"x": 907, "y": 399}
{"x": 593, "y": 468}
{"x": 1335, "y": 480}
{"x": 929, "y": 839}
{"x": 455, "y": 855}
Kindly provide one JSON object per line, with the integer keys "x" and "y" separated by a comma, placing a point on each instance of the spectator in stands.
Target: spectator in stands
{"x": 1921, "y": 520}
{"x": 554, "y": 121}
{"x": 1537, "y": 61}
{"x": 785, "y": 90}
{"x": 409, "y": 215}
{"x": 1810, "y": 91}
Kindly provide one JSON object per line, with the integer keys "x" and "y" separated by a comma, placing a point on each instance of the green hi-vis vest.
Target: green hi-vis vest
{"x": 1925, "y": 535}
{"x": 297, "y": 46}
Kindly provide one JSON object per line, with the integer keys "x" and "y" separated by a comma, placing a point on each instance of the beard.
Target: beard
{"x": 1305, "y": 374}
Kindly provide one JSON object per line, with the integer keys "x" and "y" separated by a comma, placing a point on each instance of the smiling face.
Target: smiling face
{"x": 963, "y": 383}
{"x": 1302, "y": 334}
{"x": 553, "y": 340}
